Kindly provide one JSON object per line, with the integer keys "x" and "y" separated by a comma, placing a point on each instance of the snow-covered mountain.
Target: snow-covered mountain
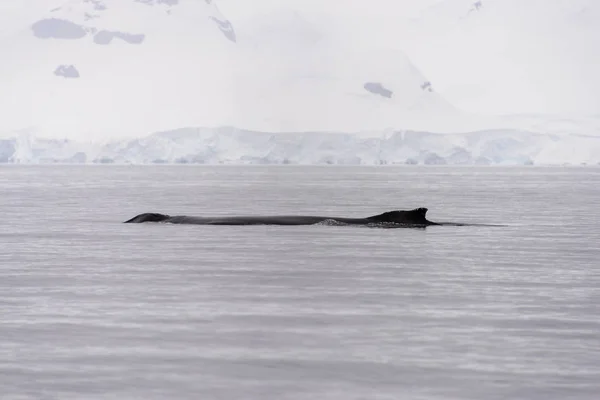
{"x": 511, "y": 56}
{"x": 136, "y": 66}
{"x": 118, "y": 68}
{"x": 488, "y": 56}
{"x": 100, "y": 71}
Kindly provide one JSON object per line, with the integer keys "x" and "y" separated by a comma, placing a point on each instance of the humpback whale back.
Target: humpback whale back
{"x": 410, "y": 217}
{"x": 398, "y": 218}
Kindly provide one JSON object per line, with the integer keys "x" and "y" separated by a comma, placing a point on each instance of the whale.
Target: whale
{"x": 396, "y": 218}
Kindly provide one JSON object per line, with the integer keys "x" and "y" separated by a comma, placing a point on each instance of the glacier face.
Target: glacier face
{"x": 229, "y": 145}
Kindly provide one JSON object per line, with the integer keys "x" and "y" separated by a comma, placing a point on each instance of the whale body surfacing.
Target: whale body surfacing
{"x": 412, "y": 218}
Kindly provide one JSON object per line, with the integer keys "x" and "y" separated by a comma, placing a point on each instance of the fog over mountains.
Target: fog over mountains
{"x": 267, "y": 81}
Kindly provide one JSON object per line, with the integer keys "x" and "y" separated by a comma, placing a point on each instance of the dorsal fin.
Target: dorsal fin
{"x": 148, "y": 217}
{"x": 416, "y": 216}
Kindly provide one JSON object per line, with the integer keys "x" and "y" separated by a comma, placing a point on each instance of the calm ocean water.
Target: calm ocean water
{"x": 96, "y": 309}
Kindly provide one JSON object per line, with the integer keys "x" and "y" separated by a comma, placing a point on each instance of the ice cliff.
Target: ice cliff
{"x": 234, "y": 146}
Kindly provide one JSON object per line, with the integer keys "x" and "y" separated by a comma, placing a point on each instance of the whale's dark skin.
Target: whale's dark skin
{"x": 398, "y": 218}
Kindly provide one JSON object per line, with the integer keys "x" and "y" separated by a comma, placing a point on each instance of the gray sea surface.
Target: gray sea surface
{"x": 92, "y": 308}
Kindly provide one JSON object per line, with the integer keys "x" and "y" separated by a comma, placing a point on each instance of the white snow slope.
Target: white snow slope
{"x": 303, "y": 81}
